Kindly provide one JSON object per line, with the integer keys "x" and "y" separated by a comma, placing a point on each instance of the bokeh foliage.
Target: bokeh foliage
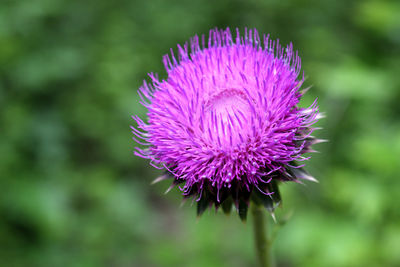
{"x": 72, "y": 193}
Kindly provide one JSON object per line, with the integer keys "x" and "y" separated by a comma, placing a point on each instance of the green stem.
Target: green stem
{"x": 260, "y": 236}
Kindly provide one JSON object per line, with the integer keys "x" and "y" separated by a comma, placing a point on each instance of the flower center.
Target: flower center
{"x": 227, "y": 103}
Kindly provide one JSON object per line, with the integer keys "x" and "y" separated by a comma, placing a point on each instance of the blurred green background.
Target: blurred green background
{"x": 73, "y": 193}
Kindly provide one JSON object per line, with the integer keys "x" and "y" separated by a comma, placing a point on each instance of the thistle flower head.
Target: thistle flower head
{"x": 225, "y": 122}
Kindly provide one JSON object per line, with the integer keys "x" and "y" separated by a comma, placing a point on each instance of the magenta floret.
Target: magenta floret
{"x": 226, "y": 117}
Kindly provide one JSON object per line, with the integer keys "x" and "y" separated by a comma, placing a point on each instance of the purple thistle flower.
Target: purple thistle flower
{"x": 225, "y": 122}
